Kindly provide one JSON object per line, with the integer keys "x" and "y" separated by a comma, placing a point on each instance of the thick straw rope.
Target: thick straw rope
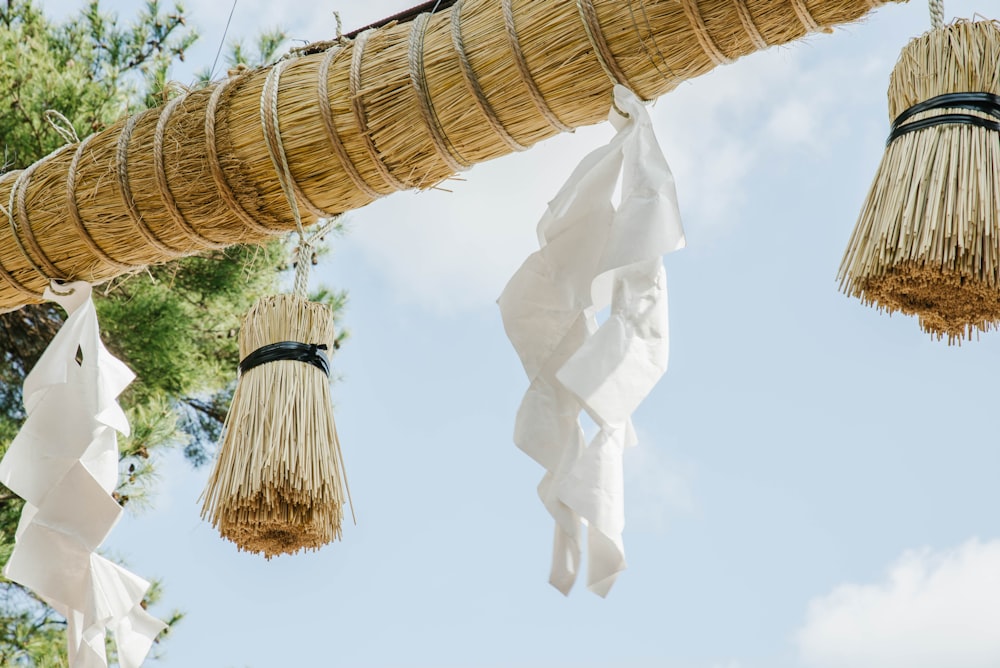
{"x": 326, "y": 113}
{"x": 164, "y": 187}
{"x": 415, "y": 57}
{"x": 361, "y": 117}
{"x": 701, "y": 33}
{"x": 217, "y": 131}
{"x": 472, "y": 82}
{"x": 522, "y": 67}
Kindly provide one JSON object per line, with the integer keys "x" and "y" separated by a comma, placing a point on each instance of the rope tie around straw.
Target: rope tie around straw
{"x": 701, "y": 33}
{"x": 669, "y": 75}
{"x": 18, "y": 217}
{"x": 361, "y": 116}
{"x": 805, "y": 17}
{"x": 7, "y": 276}
{"x": 166, "y": 195}
{"x": 937, "y": 13}
{"x": 472, "y": 82}
{"x": 415, "y": 57}
{"x": 73, "y": 210}
{"x": 522, "y": 67}
{"x": 326, "y": 113}
{"x": 592, "y": 25}
{"x": 749, "y": 26}
{"x": 121, "y": 159}
{"x": 215, "y": 166}
{"x": 272, "y": 133}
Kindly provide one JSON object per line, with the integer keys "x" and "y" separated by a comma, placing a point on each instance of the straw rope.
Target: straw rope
{"x": 937, "y": 13}
{"x": 808, "y": 22}
{"x": 472, "y": 82}
{"x": 751, "y": 28}
{"x": 121, "y": 159}
{"x": 17, "y": 210}
{"x": 592, "y": 24}
{"x": 73, "y": 210}
{"x": 708, "y": 45}
{"x": 161, "y": 181}
{"x": 498, "y": 76}
{"x": 212, "y": 153}
{"x": 326, "y": 113}
{"x": 415, "y": 58}
{"x": 361, "y": 116}
{"x": 527, "y": 79}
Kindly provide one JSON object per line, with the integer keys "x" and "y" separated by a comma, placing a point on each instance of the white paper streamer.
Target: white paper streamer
{"x": 592, "y": 256}
{"x": 64, "y": 463}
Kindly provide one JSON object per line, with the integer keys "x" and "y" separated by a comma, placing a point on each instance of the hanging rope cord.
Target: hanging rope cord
{"x": 276, "y": 150}
{"x": 937, "y": 13}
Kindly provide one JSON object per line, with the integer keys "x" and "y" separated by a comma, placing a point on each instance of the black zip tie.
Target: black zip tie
{"x": 310, "y": 353}
{"x": 986, "y": 103}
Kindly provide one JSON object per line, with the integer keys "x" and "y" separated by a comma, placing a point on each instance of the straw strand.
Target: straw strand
{"x": 472, "y": 82}
{"x": 415, "y": 57}
{"x": 215, "y": 166}
{"x": 701, "y": 33}
{"x": 522, "y": 67}
{"x": 361, "y": 117}
{"x": 326, "y": 113}
{"x": 73, "y": 210}
{"x": 121, "y": 159}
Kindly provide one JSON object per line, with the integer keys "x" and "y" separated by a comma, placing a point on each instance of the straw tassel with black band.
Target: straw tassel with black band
{"x": 278, "y": 485}
{"x": 927, "y": 242}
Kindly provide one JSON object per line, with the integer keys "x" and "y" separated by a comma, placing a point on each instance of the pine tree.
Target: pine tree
{"x": 174, "y": 325}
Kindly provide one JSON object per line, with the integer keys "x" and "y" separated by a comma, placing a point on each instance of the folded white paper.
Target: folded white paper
{"x": 594, "y": 255}
{"x": 64, "y": 464}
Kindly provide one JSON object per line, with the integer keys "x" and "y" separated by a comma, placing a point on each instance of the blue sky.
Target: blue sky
{"x": 815, "y": 483}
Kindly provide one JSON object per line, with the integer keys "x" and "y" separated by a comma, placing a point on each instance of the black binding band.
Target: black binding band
{"x": 310, "y": 353}
{"x": 985, "y": 103}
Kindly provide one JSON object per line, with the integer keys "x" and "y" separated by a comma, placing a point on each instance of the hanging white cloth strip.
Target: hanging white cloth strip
{"x": 64, "y": 463}
{"x": 592, "y": 256}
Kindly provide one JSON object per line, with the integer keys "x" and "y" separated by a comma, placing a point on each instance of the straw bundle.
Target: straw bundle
{"x": 927, "y": 242}
{"x": 403, "y": 106}
{"x": 278, "y": 484}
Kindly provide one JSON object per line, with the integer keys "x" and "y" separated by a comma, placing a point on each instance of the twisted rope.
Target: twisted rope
{"x": 215, "y": 166}
{"x": 805, "y": 18}
{"x": 326, "y": 113}
{"x": 472, "y": 82}
{"x": 415, "y": 57}
{"x": 361, "y": 117}
{"x": 121, "y": 159}
{"x": 701, "y": 33}
{"x": 592, "y": 25}
{"x": 937, "y": 13}
{"x": 522, "y": 67}
{"x": 7, "y": 276}
{"x": 749, "y": 26}
{"x": 17, "y": 213}
{"x": 161, "y": 181}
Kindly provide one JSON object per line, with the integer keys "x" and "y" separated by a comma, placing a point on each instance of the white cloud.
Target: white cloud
{"x": 933, "y": 609}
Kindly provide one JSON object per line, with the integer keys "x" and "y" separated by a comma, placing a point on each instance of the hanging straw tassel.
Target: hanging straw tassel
{"x": 278, "y": 485}
{"x": 928, "y": 239}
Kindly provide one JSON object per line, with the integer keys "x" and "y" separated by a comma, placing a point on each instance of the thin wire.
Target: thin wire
{"x": 222, "y": 42}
